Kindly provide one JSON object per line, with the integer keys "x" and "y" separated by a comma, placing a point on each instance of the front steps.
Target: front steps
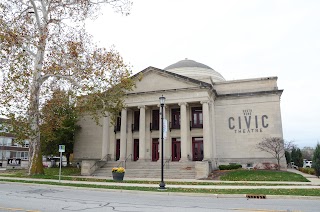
{"x": 136, "y": 169}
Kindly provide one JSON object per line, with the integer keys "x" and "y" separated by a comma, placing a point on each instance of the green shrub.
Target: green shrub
{"x": 308, "y": 170}
{"x": 230, "y": 167}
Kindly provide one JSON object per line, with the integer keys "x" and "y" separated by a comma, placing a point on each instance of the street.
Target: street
{"x": 43, "y": 198}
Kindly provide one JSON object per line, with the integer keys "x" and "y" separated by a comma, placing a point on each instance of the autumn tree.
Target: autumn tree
{"x": 43, "y": 43}
{"x": 58, "y": 125}
{"x": 275, "y": 146}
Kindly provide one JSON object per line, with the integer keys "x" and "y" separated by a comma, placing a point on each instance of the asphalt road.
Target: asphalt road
{"x": 36, "y": 198}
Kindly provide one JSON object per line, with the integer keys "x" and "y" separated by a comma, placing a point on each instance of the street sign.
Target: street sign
{"x": 62, "y": 148}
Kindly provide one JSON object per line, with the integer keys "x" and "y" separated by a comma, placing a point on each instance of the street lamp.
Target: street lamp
{"x": 162, "y": 185}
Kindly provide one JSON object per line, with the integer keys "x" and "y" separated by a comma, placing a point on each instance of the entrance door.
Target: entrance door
{"x": 117, "y": 149}
{"x": 136, "y": 149}
{"x": 155, "y": 149}
{"x": 176, "y": 149}
{"x": 197, "y": 149}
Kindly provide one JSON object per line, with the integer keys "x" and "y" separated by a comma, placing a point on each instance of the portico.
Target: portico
{"x": 185, "y": 121}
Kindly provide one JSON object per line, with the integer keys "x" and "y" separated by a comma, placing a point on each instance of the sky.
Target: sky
{"x": 239, "y": 39}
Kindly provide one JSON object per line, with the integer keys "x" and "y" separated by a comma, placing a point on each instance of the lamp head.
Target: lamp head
{"x": 162, "y": 100}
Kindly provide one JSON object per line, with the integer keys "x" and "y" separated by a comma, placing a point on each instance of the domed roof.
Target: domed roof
{"x": 187, "y": 63}
{"x": 195, "y": 70}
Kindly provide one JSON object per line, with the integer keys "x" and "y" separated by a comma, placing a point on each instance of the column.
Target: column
{"x": 142, "y": 133}
{"x": 123, "y": 134}
{"x": 207, "y": 147}
{"x": 184, "y": 131}
{"x": 105, "y": 137}
{"x": 213, "y": 127}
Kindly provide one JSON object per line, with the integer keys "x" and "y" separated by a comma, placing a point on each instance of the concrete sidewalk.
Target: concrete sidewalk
{"x": 314, "y": 184}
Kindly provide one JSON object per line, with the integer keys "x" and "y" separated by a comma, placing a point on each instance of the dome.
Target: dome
{"x": 195, "y": 70}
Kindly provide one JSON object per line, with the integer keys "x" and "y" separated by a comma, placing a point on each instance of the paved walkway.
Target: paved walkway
{"x": 314, "y": 183}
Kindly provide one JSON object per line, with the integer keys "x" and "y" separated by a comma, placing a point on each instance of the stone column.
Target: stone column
{"x": 207, "y": 147}
{"x": 213, "y": 129}
{"x": 142, "y": 133}
{"x": 105, "y": 137}
{"x": 184, "y": 131}
{"x": 123, "y": 135}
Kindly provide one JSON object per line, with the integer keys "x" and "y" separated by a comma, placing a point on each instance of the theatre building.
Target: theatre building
{"x": 208, "y": 121}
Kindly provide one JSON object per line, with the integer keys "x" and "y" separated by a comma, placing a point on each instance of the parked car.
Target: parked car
{"x": 294, "y": 166}
{"x": 307, "y": 164}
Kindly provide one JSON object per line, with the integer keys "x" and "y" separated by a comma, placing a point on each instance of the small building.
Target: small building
{"x": 208, "y": 118}
{"x": 13, "y": 154}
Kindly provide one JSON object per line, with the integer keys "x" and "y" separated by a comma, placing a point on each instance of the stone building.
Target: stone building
{"x": 207, "y": 118}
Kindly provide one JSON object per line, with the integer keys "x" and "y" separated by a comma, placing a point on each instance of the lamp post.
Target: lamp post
{"x": 162, "y": 185}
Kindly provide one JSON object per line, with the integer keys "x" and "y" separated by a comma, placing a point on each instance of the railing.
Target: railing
{"x": 106, "y": 158}
{"x": 125, "y": 161}
{"x": 167, "y": 162}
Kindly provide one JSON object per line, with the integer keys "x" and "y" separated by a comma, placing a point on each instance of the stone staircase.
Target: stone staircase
{"x": 136, "y": 169}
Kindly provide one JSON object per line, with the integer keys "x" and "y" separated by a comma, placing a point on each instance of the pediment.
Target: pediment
{"x": 152, "y": 79}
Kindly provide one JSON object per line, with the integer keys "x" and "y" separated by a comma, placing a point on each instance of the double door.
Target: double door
{"x": 197, "y": 149}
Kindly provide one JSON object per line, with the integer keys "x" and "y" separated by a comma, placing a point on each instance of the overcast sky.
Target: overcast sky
{"x": 239, "y": 39}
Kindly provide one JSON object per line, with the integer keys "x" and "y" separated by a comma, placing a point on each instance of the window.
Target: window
{"x": 197, "y": 118}
{"x": 20, "y": 155}
{"x": 155, "y": 120}
{"x": 175, "y": 118}
{"x": 136, "y": 120}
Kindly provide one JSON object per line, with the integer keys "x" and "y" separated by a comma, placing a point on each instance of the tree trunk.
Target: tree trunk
{"x": 68, "y": 159}
{"x": 278, "y": 159}
{"x": 35, "y": 155}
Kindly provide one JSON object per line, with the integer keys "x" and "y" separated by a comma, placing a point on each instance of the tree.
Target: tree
{"x": 307, "y": 152}
{"x": 59, "y": 124}
{"x": 275, "y": 146}
{"x": 43, "y": 43}
{"x": 288, "y": 156}
{"x": 296, "y": 156}
{"x": 316, "y": 160}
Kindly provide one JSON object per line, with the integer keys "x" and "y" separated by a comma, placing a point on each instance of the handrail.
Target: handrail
{"x": 107, "y": 157}
{"x": 125, "y": 161}
{"x": 167, "y": 162}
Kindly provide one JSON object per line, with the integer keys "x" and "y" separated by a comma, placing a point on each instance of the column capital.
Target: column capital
{"x": 205, "y": 102}
{"x": 124, "y": 108}
{"x": 183, "y": 103}
{"x": 142, "y": 106}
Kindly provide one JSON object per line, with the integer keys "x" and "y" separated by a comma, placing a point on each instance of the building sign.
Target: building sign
{"x": 14, "y": 162}
{"x": 248, "y": 122}
{"x": 165, "y": 128}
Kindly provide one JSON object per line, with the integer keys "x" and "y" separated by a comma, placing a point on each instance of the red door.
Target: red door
{"x": 176, "y": 149}
{"x": 155, "y": 149}
{"x": 197, "y": 149}
{"x": 117, "y": 149}
{"x": 136, "y": 149}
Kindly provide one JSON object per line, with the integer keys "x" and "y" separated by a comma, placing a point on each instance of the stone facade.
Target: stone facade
{"x": 208, "y": 119}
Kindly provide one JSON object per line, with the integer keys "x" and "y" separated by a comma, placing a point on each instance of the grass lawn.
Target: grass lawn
{"x": 236, "y": 175}
{"x": 262, "y": 175}
{"x": 71, "y": 173}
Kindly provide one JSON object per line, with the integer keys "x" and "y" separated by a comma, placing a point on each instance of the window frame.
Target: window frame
{"x": 197, "y": 117}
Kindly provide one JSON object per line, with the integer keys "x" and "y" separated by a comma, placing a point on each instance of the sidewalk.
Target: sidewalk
{"x": 315, "y": 183}
{"x": 312, "y": 178}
